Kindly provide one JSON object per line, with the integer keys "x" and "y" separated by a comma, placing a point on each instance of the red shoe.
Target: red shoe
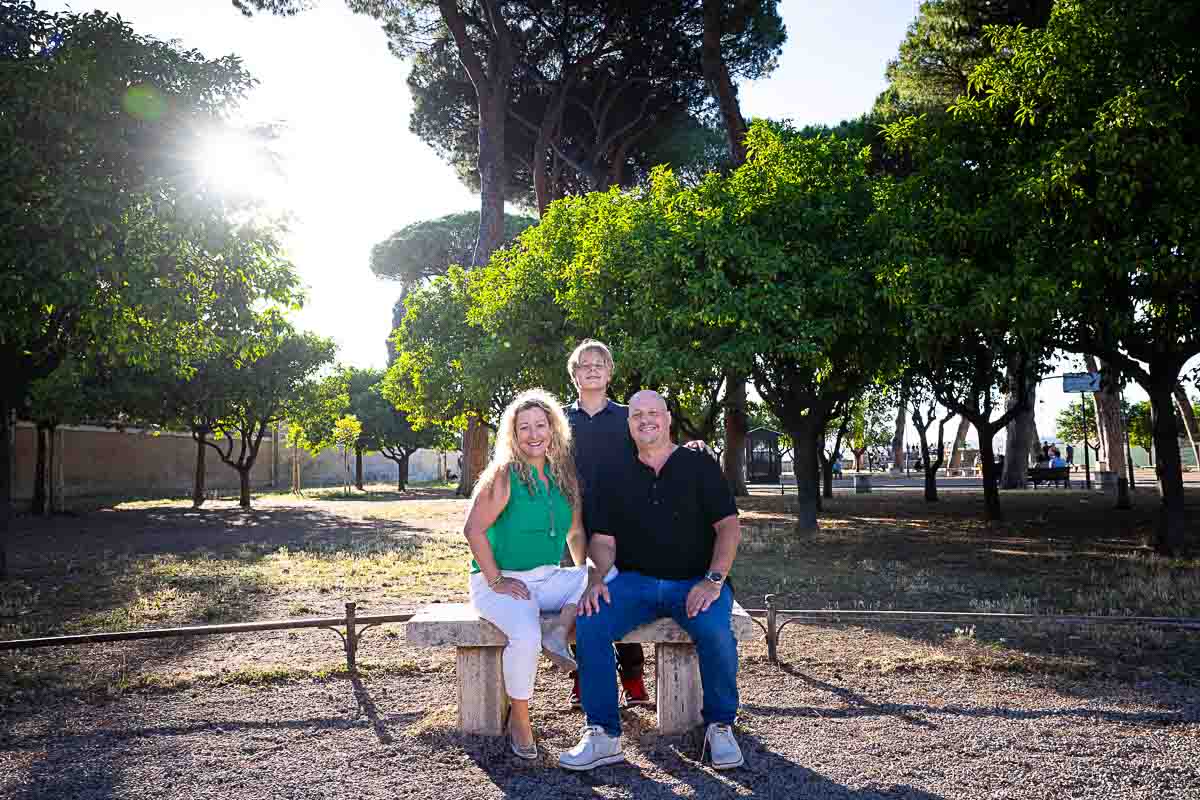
{"x": 635, "y": 692}
{"x": 576, "y": 704}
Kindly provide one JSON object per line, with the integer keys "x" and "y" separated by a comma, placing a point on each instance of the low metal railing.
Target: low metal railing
{"x": 776, "y": 619}
{"x": 354, "y": 625}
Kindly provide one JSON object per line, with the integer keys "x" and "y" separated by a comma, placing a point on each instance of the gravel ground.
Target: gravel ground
{"x": 820, "y": 726}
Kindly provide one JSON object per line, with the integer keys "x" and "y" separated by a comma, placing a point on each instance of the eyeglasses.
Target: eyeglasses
{"x": 594, "y": 367}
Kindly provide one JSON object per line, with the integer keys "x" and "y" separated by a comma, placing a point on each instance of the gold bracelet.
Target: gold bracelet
{"x": 499, "y": 577}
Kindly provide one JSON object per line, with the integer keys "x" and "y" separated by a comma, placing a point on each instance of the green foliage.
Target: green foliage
{"x": 1104, "y": 96}
{"x": 1070, "y": 422}
{"x": 942, "y": 47}
{"x": 872, "y": 421}
{"x": 385, "y": 429}
{"x": 314, "y": 409}
{"x": 425, "y": 249}
{"x": 602, "y": 92}
{"x": 1140, "y": 422}
{"x": 447, "y": 369}
{"x": 346, "y": 433}
{"x": 104, "y": 229}
{"x": 258, "y": 376}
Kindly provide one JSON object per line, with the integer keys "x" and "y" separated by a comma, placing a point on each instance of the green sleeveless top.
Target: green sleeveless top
{"x": 531, "y": 531}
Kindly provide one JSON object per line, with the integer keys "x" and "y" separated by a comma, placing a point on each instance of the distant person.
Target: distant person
{"x": 1070, "y": 455}
{"x": 1057, "y": 461}
{"x": 1043, "y": 459}
{"x": 837, "y": 465}
{"x": 525, "y": 509}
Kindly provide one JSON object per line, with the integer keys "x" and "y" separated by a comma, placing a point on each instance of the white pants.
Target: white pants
{"x": 550, "y": 588}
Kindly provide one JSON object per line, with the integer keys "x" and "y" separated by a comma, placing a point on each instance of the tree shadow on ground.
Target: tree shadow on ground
{"x": 56, "y": 767}
{"x": 766, "y": 773}
{"x": 162, "y": 567}
{"x": 676, "y": 773}
{"x": 1173, "y": 710}
{"x": 1057, "y": 553}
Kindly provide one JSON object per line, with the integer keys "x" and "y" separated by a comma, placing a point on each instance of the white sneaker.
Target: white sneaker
{"x": 595, "y": 749}
{"x": 720, "y": 744}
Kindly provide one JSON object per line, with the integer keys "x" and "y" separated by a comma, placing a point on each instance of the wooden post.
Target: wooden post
{"x": 351, "y": 637}
{"x": 482, "y": 700}
{"x": 772, "y": 630}
{"x": 677, "y": 678}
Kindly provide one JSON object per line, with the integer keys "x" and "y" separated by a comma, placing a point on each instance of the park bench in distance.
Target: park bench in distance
{"x": 481, "y": 697}
{"x": 1038, "y": 475}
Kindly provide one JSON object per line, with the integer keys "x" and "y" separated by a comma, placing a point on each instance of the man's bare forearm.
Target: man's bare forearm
{"x": 602, "y": 550}
{"x": 729, "y": 535}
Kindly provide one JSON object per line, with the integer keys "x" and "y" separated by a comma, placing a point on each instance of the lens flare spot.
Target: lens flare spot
{"x": 144, "y": 102}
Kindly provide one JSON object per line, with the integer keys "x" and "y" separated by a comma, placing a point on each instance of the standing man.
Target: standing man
{"x": 600, "y": 431}
{"x": 667, "y": 520}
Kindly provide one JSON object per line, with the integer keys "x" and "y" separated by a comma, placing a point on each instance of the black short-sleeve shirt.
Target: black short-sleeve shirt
{"x": 600, "y": 441}
{"x": 663, "y": 523}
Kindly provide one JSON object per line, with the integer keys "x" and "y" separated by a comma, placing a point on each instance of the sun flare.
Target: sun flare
{"x": 240, "y": 165}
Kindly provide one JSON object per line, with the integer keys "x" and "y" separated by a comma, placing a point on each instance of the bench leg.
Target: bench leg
{"x": 482, "y": 700}
{"x": 677, "y": 679}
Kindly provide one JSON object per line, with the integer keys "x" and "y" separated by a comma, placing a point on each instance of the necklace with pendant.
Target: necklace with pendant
{"x": 550, "y": 507}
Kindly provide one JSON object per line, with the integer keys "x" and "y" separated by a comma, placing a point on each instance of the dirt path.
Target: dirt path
{"x": 810, "y": 730}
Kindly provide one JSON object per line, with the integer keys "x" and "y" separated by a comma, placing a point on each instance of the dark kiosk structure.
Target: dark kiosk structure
{"x": 763, "y": 458}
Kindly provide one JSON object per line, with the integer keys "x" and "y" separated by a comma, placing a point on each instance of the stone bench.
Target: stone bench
{"x": 482, "y": 700}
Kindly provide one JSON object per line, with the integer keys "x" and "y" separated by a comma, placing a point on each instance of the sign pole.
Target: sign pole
{"x": 1087, "y": 461}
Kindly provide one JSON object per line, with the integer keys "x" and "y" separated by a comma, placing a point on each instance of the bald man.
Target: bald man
{"x": 667, "y": 520}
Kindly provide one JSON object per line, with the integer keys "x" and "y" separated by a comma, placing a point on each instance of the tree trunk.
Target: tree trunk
{"x": 492, "y": 177}
{"x": 296, "y": 489}
{"x": 1019, "y": 431}
{"x": 54, "y": 464}
{"x": 40, "y": 472}
{"x": 898, "y": 453}
{"x": 931, "y": 494}
{"x": 1171, "y": 534}
{"x": 826, "y": 476}
{"x": 1035, "y": 445}
{"x": 804, "y": 462}
{"x": 402, "y": 473}
{"x": 819, "y": 469}
{"x": 198, "y": 477}
{"x": 475, "y": 454}
{"x": 244, "y": 485}
{"x": 960, "y": 439}
{"x": 929, "y": 470}
{"x": 991, "y": 477}
{"x": 358, "y": 469}
{"x": 720, "y": 83}
{"x": 733, "y": 459}
{"x": 1111, "y": 427}
{"x": 1189, "y": 420}
{"x": 6, "y": 478}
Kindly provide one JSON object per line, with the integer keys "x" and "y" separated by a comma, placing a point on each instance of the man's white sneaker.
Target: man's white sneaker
{"x": 722, "y": 747}
{"x": 595, "y": 749}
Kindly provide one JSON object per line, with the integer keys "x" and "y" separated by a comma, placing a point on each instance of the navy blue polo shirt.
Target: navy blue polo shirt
{"x": 663, "y": 523}
{"x": 599, "y": 440}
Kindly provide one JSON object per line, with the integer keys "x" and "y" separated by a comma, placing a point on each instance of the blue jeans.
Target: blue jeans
{"x": 636, "y": 600}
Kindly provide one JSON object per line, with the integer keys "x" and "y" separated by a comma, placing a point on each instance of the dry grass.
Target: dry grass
{"x": 159, "y": 563}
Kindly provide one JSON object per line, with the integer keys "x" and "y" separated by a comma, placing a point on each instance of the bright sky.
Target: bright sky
{"x": 354, "y": 173}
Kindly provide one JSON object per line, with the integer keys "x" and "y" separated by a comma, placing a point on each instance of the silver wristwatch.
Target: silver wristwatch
{"x": 714, "y": 577}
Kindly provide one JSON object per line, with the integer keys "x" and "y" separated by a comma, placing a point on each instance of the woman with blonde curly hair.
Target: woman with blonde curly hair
{"x": 525, "y": 507}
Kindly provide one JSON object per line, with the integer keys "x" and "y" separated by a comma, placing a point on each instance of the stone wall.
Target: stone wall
{"x": 94, "y": 461}
{"x": 327, "y": 469}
